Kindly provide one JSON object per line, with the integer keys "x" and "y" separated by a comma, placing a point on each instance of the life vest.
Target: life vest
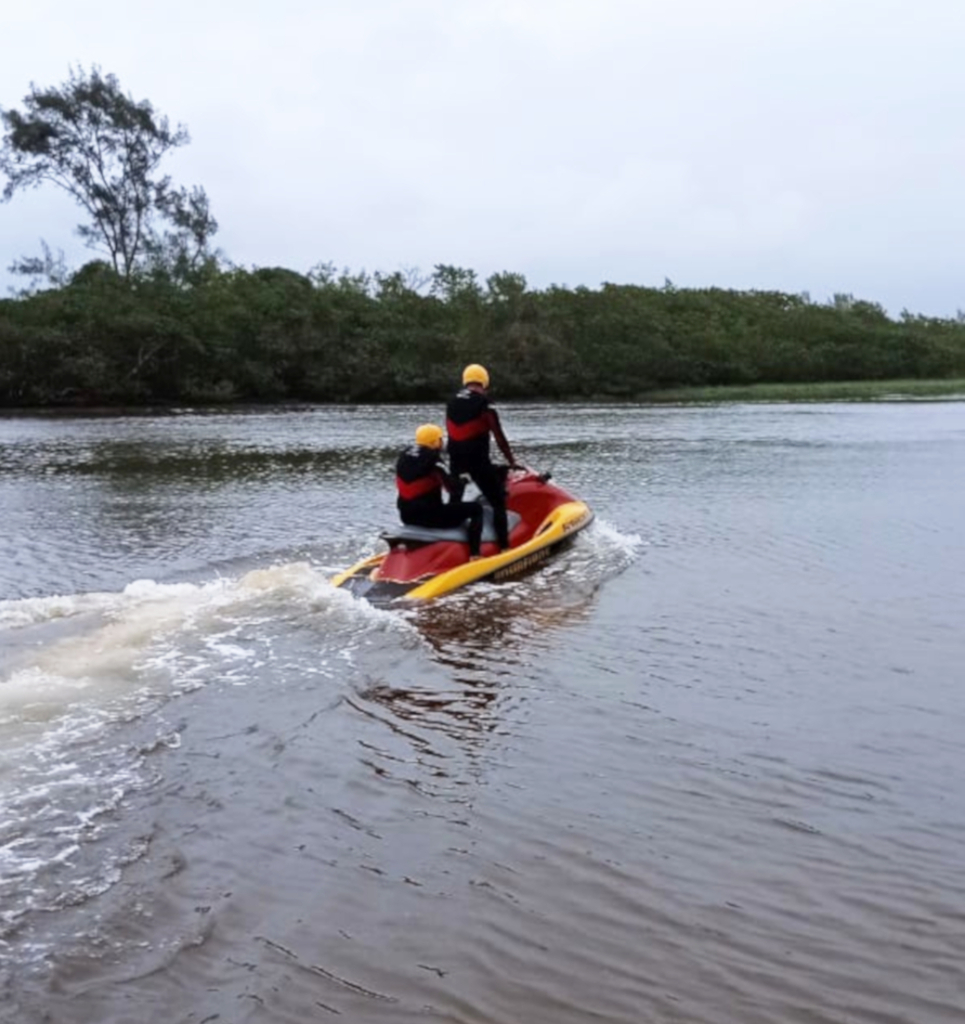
{"x": 417, "y": 475}
{"x": 468, "y": 423}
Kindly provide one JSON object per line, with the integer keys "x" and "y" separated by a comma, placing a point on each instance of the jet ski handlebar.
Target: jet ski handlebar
{"x": 542, "y": 477}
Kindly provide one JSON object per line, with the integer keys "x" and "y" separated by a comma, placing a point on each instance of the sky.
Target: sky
{"x": 800, "y": 145}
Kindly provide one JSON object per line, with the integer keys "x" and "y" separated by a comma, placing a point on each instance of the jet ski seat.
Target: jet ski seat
{"x": 403, "y": 534}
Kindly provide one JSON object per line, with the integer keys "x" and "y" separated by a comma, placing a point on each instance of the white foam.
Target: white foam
{"x": 136, "y": 639}
{"x": 607, "y": 536}
{"x": 32, "y": 610}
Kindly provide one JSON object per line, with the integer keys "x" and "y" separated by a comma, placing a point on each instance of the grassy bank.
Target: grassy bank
{"x": 829, "y": 391}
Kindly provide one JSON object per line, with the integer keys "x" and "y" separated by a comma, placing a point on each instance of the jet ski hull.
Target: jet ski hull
{"x": 425, "y": 564}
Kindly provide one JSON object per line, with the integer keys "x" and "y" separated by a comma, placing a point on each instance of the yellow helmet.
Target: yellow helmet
{"x": 429, "y": 436}
{"x": 476, "y": 374}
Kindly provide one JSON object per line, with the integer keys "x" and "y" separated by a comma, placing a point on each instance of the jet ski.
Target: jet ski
{"x": 423, "y": 563}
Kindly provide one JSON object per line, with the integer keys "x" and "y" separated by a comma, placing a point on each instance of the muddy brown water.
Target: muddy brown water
{"x": 707, "y": 766}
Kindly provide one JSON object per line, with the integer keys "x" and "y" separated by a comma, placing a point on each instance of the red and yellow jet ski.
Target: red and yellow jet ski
{"x": 423, "y": 563}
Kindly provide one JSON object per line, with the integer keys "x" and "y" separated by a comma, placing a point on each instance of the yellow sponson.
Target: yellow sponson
{"x": 476, "y": 374}
{"x": 561, "y": 523}
{"x": 357, "y": 569}
{"x": 429, "y": 436}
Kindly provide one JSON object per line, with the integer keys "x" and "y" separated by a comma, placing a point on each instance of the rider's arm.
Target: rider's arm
{"x": 497, "y": 431}
{"x": 453, "y": 484}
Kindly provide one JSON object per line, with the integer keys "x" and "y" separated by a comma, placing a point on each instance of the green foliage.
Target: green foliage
{"x": 230, "y": 334}
{"x": 104, "y": 149}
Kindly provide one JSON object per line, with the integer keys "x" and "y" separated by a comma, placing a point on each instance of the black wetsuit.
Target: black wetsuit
{"x": 470, "y": 421}
{"x": 420, "y": 479}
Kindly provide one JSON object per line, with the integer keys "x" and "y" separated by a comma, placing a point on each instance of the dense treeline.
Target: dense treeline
{"x": 271, "y": 334}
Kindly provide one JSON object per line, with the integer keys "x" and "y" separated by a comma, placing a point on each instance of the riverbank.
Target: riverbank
{"x": 904, "y": 390}
{"x": 826, "y": 391}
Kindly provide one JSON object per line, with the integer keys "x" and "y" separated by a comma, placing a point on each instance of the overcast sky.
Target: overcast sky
{"x": 801, "y": 145}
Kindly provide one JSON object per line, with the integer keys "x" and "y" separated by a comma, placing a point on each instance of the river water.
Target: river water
{"x": 706, "y": 766}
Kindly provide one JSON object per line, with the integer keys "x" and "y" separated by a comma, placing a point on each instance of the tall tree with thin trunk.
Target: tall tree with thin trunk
{"x": 104, "y": 149}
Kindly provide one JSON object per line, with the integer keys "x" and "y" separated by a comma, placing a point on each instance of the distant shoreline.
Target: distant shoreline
{"x": 904, "y": 390}
{"x": 938, "y": 389}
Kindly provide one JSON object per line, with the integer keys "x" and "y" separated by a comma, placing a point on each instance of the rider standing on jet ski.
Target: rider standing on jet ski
{"x": 469, "y": 421}
{"x": 420, "y": 481}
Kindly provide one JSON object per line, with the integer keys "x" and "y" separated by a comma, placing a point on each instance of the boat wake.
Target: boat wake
{"x": 84, "y": 678}
{"x": 81, "y": 672}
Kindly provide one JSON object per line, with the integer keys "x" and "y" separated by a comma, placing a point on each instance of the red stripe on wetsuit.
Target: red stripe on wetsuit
{"x": 412, "y": 490}
{"x": 475, "y": 427}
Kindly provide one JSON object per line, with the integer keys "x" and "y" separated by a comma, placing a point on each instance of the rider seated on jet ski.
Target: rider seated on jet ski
{"x": 470, "y": 420}
{"x": 420, "y": 481}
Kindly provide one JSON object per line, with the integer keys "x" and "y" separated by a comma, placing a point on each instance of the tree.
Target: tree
{"x": 104, "y": 149}
{"x": 455, "y": 284}
{"x": 183, "y": 250}
{"x": 49, "y": 269}
{"x": 506, "y": 288}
